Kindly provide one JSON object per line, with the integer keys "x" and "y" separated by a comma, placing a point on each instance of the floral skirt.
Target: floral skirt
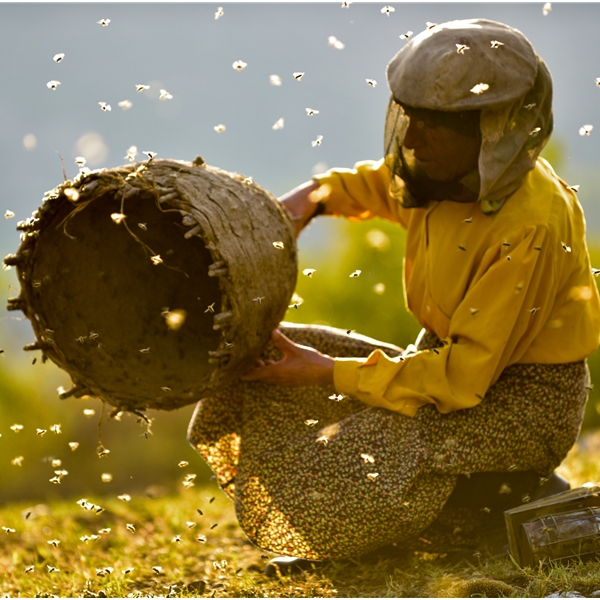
{"x": 319, "y": 477}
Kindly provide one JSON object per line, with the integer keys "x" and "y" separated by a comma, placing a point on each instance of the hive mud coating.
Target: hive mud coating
{"x": 153, "y": 283}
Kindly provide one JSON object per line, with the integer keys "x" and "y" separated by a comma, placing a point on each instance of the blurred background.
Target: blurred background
{"x": 227, "y": 116}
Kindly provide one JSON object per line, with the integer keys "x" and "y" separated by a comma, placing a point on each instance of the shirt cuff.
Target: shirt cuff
{"x": 345, "y": 375}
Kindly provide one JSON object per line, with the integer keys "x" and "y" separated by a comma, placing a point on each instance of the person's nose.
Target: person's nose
{"x": 415, "y": 135}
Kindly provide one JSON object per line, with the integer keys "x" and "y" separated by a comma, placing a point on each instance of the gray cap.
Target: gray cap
{"x": 440, "y": 67}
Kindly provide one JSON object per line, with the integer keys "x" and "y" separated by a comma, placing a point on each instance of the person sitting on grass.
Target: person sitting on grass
{"x": 335, "y": 445}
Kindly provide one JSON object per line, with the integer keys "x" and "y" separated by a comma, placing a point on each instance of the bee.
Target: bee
{"x": 149, "y": 154}
{"x": 182, "y": 464}
{"x": 127, "y": 570}
{"x": 372, "y": 476}
{"x": 535, "y": 131}
{"x": 298, "y": 76}
{"x": 534, "y": 310}
{"x": 474, "y": 311}
{"x": 430, "y": 25}
{"x": 211, "y": 500}
{"x": 460, "y": 48}
{"x": 336, "y": 397}
{"x": 526, "y": 498}
{"x": 508, "y": 257}
{"x": 54, "y": 543}
{"x": 164, "y": 95}
{"x": 346, "y": 4}
{"x": 156, "y": 260}
{"x": 157, "y": 570}
{"x": 318, "y": 141}
{"x": 117, "y": 217}
{"x": 219, "y": 13}
{"x": 278, "y": 245}
{"x": 190, "y": 524}
{"x": 506, "y": 244}
{"x": 130, "y": 527}
{"x": 106, "y": 477}
{"x": 546, "y": 8}
{"x": 73, "y": 446}
{"x": 201, "y": 539}
{"x": 368, "y": 458}
{"x": 350, "y": 331}
{"x": 479, "y": 88}
{"x": 124, "y": 497}
{"x": 279, "y": 124}
{"x": 103, "y": 22}
{"x": 104, "y": 106}
{"x": 496, "y": 44}
{"x": 199, "y": 512}
{"x": 323, "y": 440}
{"x": 311, "y": 111}
{"x": 105, "y": 530}
{"x": 145, "y": 350}
{"x": 17, "y": 427}
{"x": 335, "y": 43}
{"x": 485, "y": 509}
{"x": 8, "y": 530}
{"x": 140, "y": 87}
{"x": 52, "y": 569}
{"x": 355, "y": 273}
{"x": 239, "y": 65}
{"x": 275, "y": 80}
{"x": 102, "y": 452}
{"x": 53, "y": 84}
{"x": 371, "y": 82}
{"x": 387, "y": 10}
{"x": 309, "y": 272}
{"x": 479, "y": 396}
{"x": 530, "y": 106}
{"x": 40, "y": 432}
{"x": 258, "y": 299}
{"x": 586, "y": 129}
{"x": 210, "y": 308}
{"x": 9, "y": 214}
{"x": 311, "y": 422}
{"x": 29, "y": 569}
{"x": 565, "y": 247}
{"x": 17, "y": 461}
{"x": 125, "y": 104}
{"x": 462, "y": 248}
{"x": 406, "y": 35}
{"x": 574, "y": 188}
{"x": 220, "y": 128}
{"x": 595, "y": 272}
{"x": 176, "y": 539}
{"x": 214, "y": 525}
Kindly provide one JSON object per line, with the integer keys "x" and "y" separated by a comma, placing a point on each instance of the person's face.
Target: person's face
{"x": 442, "y": 153}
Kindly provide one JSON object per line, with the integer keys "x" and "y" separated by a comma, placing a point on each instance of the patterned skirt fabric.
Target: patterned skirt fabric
{"x": 319, "y": 477}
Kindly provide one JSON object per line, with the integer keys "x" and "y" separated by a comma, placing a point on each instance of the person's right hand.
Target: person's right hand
{"x": 299, "y": 204}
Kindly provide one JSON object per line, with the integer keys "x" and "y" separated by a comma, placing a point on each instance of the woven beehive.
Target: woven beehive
{"x": 152, "y": 283}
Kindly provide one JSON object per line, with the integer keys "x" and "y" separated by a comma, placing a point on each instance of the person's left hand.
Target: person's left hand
{"x": 300, "y": 365}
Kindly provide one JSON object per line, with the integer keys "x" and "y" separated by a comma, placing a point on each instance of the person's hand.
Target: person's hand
{"x": 300, "y": 365}
{"x": 300, "y": 204}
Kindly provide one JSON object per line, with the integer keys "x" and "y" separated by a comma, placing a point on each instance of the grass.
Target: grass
{"x": 149, "y": 547}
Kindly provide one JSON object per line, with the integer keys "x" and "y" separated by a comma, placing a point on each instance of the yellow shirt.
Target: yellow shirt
{"x": 512, "y": 287}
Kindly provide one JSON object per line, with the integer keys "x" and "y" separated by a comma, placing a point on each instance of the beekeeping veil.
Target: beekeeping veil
{"x": 460, "y": 67}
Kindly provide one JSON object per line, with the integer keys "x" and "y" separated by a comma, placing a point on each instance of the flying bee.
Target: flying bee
{"x": 278, "y": 245}
{"x": 29, "y": 569}
{"x": 575, "y": 188}
{"x": 546, "y": 8}
{"x": 164, "y": 95}
{"x": 104, "y": 106}
{"x": 103, "y": 22}
{"x": 16, "y": 427}
{"x": 182, "y": 464}
{"x": 371, "y": 82}
{"x": 54, "y": 543}
{"x": 239, "y": 65}
{"x": 127, "y": 570}
{"x": 535, "y": 131}
{"x": 73, "y": 446}
{"x": 496, "y": 44}
{"x": 565, "y": 247}
{"x": 336, "y": 397}
{"x": 368, "y": 458}
{"x": 323, "y": 440}
{"x": 479, "y": 88}
{"x": 157, "y": 570}
{"x": 130, "y": 527}
{"x": 346, "y": 4}
{"x": 298, "y": 76}
{"x": 220, "y": 128}
{"x": 117, "y": 217}
{"x": 275, "y": 80}
{"x": 387, "y": 10}
{"x": 176, "y": 539}
{"x": 53, "y": 84}
{"x": 219, "y": 13}
{"x": 106, "y": 477}
{"x": 149, "y": 153}
{"x": 190, "y": 524}
{"x": 311, "y": 422}
{"x": 210, "y": 308}
{"x": 140, "y": 87}
{"x": 40, "y": 432}
{"x": 125, "y": 104}
{"x": 406, "y": 35}
{"x": 9, "y": 214}
{"x": 335, "y": 43}
{"x": 596, "y": 272}
{"x": 311, "y": 111}
{"x": 279, "y": 124}
{"x": 156, "y": 260}
{"x": 534, "y": 310}
{"x": 372, "y": 476}
{"x": 214, "y": 525}
{"x": 460, "y": 48}
{"x": 58, "y": 57}
{"x": 124, "y": 497}
{"x": 462, "y": 248}
{"x": 586, "y": 129}
{"x": 258, "y": 299}
{"x": 201, "y": 539}
{"x": 318, "y": 141}
{"x": 104, "y": 531}
{"x": 355, "y": 273}
{"x": 309, "y": 272}
{"x": 144, "y": 350}
{"x": 17, "y": 461}
{"x": 52, "y": 569}
{"x": 474, "y": 311}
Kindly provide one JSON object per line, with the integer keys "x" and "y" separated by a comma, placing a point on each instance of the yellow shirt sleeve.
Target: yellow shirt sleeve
{"x": 360, "y": 193}
{"x": 502, "y": 307}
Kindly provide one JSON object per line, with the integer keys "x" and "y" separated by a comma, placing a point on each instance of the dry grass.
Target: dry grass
{"x": 168, "y": 560}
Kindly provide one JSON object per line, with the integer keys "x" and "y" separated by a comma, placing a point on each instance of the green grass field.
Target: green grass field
{"x": 191, "y": 546}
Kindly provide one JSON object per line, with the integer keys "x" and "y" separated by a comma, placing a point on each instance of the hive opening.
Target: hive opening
{"x": 125, "y": 302}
